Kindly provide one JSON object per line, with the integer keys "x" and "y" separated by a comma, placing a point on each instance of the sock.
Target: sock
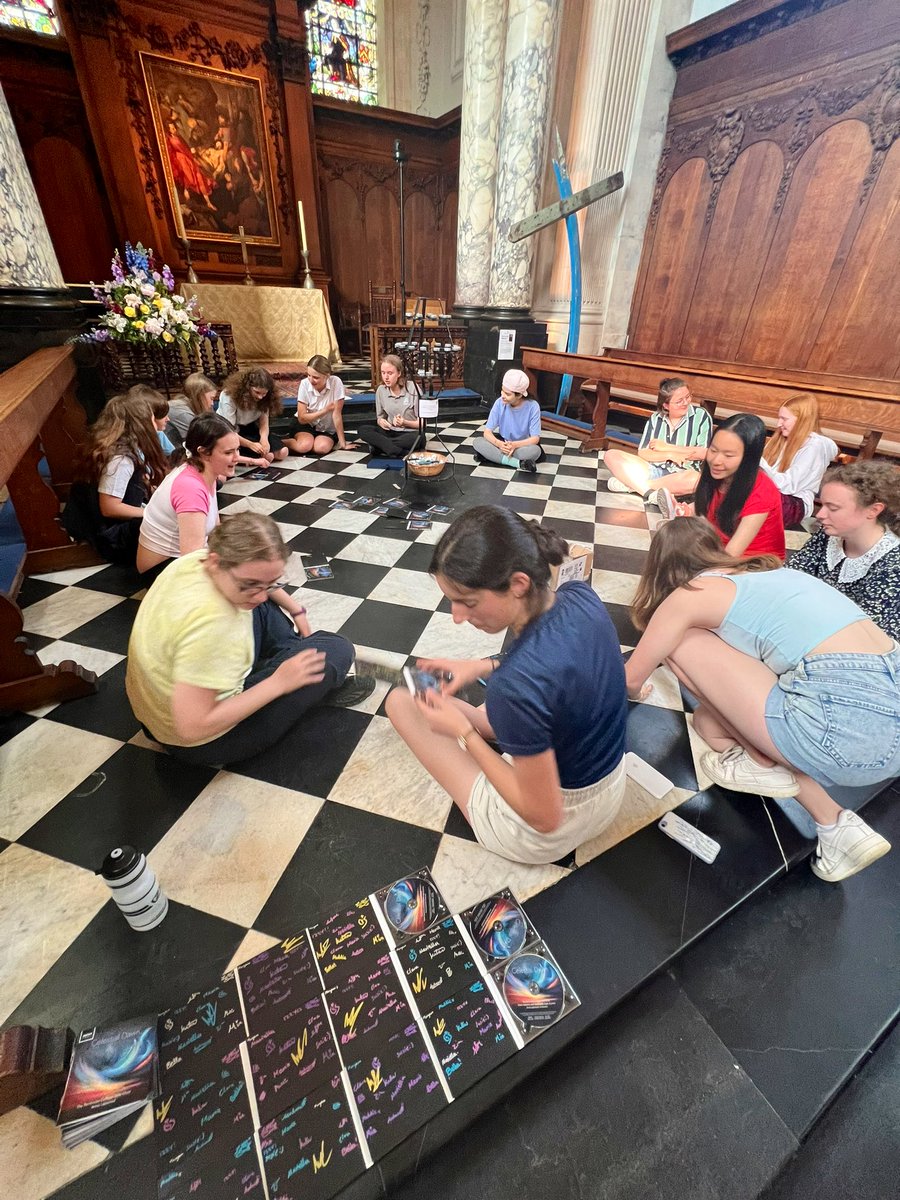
{"x": 826, "y": 828}
{"x": 509, "y": 460}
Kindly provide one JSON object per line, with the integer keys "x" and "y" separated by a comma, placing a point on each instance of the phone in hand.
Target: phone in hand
{"x": 420, "y": 682}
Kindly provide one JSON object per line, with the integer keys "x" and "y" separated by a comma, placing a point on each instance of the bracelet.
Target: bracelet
{"x": 463, "y": 739}
{"x": 299, "y": 612}
{"x": 496, "y": 659}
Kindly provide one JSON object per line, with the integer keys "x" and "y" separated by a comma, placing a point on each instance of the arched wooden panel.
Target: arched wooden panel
{"x": 671, "y": 274}
{"x": 859, "y": 333}
{"x": 348, "y": 266}
{"x": 422, "y": 256}
{"x": 382, "y": 236}
{"x": 804, "y": 257}
{"x": 736, "y": 249}
{"x": 73, "y": 209}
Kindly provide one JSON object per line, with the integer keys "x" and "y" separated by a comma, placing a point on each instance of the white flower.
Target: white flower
{"x": 132, "y": 298}
{"x": 153, "y": 326}
{"x": 118, "y": 322}
{"x": 147, "y": 289}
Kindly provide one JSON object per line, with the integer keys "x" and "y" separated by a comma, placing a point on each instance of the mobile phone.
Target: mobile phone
{"x": 419, "y": 682}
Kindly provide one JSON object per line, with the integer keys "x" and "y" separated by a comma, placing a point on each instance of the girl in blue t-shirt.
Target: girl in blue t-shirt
{"x": 512, "y": 432}
{"x": 554, "y": 704}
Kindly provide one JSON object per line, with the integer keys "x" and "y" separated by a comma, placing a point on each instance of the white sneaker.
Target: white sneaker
{"x": 665, "y": 502}
{"x": 736, "y": 771}
{"x": 616, "y": 485}
{"x": 849, "y": 848}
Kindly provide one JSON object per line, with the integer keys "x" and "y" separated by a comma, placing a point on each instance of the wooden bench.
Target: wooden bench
{"x": 39, "y": 417}
{"x": 855, "y": 411}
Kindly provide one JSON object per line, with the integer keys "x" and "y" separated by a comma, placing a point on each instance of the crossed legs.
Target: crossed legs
{"x": 635, "y": 474}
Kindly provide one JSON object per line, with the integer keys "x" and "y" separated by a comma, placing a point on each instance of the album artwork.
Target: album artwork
{"x": 199, "y": 1035}
{"x": 470, "y": 1036}
{"x": 341, "y": 941}
{"x": 437, "y": 964}
{"x": 286, "y": 1064}
{"x": 277, "y": 984}
{"x": 366, "y": 1003}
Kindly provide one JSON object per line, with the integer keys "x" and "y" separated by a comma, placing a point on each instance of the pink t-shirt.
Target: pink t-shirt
{"x": 182, "y": 491}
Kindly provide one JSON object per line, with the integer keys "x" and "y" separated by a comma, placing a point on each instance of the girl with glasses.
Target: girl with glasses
{"x": 216, "y": 671}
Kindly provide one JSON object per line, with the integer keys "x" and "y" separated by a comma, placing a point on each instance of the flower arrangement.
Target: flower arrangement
{"x": 142, "y": 306}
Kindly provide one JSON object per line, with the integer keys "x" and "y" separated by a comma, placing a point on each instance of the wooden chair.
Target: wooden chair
{"x": 382, "y": 303}
{"x": 352, "y": 322}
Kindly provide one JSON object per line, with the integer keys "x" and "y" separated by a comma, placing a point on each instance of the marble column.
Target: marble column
{"x": 527, "y": 77}
{"x": 27, "y": 257}
{"x": 479, "y": 139}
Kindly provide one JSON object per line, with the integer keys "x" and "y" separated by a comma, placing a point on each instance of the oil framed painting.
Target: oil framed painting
{"x": 213, "y": 143}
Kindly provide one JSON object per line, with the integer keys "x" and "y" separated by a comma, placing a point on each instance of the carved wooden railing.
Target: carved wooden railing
{"x": 39, "y": 416}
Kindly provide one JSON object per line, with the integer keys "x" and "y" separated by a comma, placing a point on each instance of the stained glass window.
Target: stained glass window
{"x": 341, "y": 37}
{"x": 38, "y": 16}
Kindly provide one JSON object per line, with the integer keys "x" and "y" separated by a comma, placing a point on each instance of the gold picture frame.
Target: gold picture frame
{"x": 213, "y": 142}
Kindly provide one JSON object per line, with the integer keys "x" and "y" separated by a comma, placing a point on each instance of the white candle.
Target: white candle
{"x": 303, "y": 245}
{"x": 243, "y": 244}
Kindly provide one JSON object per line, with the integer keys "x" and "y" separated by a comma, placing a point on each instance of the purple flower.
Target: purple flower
{"x": 101, "y": 335}
{"x": 168, "y": 279}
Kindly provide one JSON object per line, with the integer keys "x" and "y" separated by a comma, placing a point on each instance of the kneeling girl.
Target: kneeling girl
{"x": 554, "y": 702}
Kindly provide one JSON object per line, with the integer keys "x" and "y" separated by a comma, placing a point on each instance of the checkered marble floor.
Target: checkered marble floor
{"x": 253, "y": 854}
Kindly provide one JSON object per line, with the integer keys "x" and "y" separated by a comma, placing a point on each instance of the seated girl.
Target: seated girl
{"x": 396, "y": 428}
{"x": 857, "y": 548}
{"x": 737, "y": 497}
{"x": 797, "y": 688}
{"x": 671, "y": 451}
{"x": 319, "y": 422}
{"x": 198, "y": 397}
{"x": 125, "y": 464}
{"x": 554, "y": 703}
{"x": 216, "y": 671}
{"x": 159, "y": 406}
{"x": 249, "y": 400}
{"x": 796, "y": 455}
{"x": 512, "y": 433}
{"x": 183, "y": 511}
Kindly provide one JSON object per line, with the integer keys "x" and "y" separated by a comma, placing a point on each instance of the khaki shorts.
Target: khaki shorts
{"x": 586, "y": 813}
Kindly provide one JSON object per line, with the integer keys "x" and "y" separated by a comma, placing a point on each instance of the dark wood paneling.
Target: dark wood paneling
{"x": 675, "y": 259}
{"x": 852, "y": 337}
{"x": 735, "y": 255}
{"x": 360, "y": 183}
{"x": 791, "y": 110}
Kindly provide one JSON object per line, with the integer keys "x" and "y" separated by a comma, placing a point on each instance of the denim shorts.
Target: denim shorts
{"x": 836, "y": 717}
{"x": 659, "y": 470}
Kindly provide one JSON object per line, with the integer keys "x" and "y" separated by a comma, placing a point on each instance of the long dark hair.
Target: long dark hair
{"x": 680, "y": 551}
{"x": 487, "y": 545}
{"x": 203, "y": 433}
{"x": 752, "y": 432}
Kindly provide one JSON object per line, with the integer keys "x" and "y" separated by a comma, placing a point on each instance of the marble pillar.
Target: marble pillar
{"x": 27, "y": 257}
{"x": 529, "y": 57}
{"x": 479, "y": 139}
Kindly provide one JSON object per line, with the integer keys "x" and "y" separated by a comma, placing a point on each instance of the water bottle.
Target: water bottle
{"x": 135, "y": 888}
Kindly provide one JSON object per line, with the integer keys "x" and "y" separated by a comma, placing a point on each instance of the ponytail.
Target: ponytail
{"x": 487, "y": 545}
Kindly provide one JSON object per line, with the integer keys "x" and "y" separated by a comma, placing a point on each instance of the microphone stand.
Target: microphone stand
{"x": 400, "y": 158}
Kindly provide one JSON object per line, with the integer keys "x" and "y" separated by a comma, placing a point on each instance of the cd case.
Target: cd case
{"x": 534, "y": 990}
{"x": 498, "y": 928}
{"x": 411, "y": 906}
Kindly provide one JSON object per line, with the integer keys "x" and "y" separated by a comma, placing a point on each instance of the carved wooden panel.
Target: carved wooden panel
{"x": 810, "y": 91}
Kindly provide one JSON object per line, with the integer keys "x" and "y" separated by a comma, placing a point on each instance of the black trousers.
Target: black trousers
{"x": 275, "y": 640}
{"x": 390, "y": 443}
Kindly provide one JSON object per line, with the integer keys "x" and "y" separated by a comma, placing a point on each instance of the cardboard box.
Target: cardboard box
{"x": 578, "y": 565}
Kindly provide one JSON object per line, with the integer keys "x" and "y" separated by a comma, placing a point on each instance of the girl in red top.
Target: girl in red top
{"x": 737, "y": 497}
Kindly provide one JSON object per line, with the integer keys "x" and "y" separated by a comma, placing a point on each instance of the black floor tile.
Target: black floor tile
{"x": 620, "y": 558}
{"x": 346, "y": 854}
{"x": 110, "y": 631}
{"x": 387, "y": 626}
{"x": 855, "y": 1149}
{"x": 620, "y": 615}
{"x": 3, "y": 844}
{"x": 588, "y": 471}
{"x": 116, "y": 581}
{"x": 278, "y": 491}
{"x": 525, "y": 506}
{"x": 33, "y": 590}
{"x": 350, "y": 578}
{"x": 457, "y": 825}
{"x": 133, "y": 799}
{"x": 799, "y": 1006}
{"x": 107, "y": 711}
{"x": 131, "y": 1173}
{"x": 418, "y": 557}
{"x": 648, "y": 1103}
{"x": 110, "y": 972}
{"x": 312, "y": 755}
{"x": 660, "y": 736}
{"x": 321, "y": 542}
{"x": 572, "y": 531}
{"x": 12, "y": 723}
{"x": 570, "y": 495}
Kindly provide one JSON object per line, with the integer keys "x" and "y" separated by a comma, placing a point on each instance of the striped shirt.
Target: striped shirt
{"x": 694, "y": 429}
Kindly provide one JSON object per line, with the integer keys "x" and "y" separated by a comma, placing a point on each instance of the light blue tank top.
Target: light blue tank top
{"x": 779, "y": 616}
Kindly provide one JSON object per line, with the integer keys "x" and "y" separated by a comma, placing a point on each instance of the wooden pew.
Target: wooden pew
{"x": 856, "y": 410}
{"x": 39, "y": 415}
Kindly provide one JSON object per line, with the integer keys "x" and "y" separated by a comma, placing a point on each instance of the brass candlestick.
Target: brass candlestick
{"x": 192, "y": 274}
{"x": 307, "y": 277}
{"x": 248, "y": 279}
